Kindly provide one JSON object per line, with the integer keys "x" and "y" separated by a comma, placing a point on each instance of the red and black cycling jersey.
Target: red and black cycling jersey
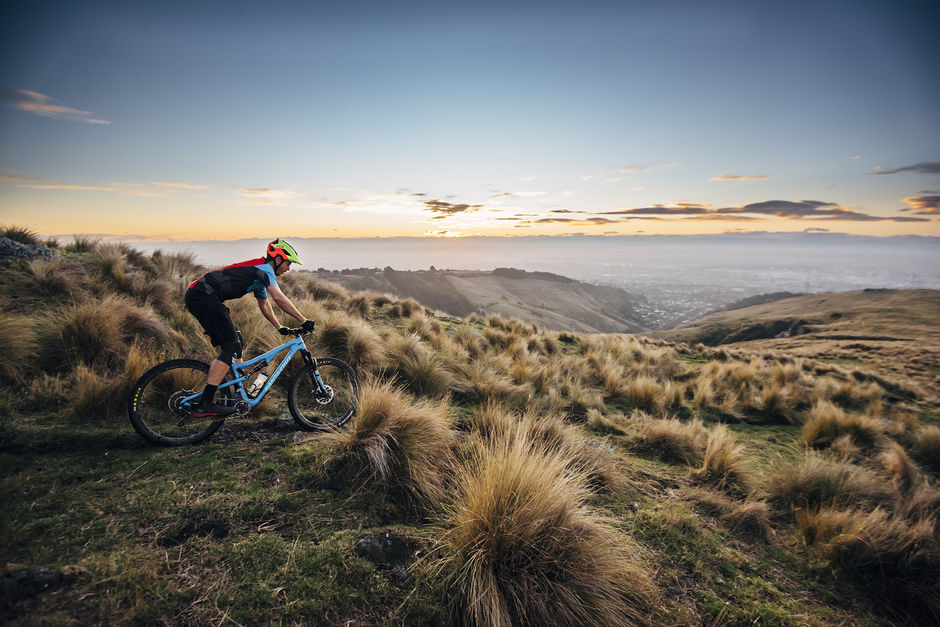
{"x": 238, "y": 279}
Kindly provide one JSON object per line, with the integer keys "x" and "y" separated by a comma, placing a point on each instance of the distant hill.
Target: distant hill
{"x": 549, "y": 300}
{"x": 893, "y": 332}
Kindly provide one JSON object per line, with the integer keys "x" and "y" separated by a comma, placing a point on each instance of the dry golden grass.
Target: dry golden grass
{"x": 827, "y": 423}
{"x": 752, "y": 518}
{"x": 522, "y": 549}
{"x": 397, "y": 441}
{"x": 16, "y": 337}
{"x": 724, "y": 464}
{"x": 350, "y": 339}
{"x": 670, "y": 439}
{"x": 899, "y": 468}
{"x": 817, "y": 482}
{"x": 97, "y": 332}
{"x": 57, "y": 276}
{"x": 927, "y": 447}
{"x": 898, "y": 560}
{"x": 422, "y": 370}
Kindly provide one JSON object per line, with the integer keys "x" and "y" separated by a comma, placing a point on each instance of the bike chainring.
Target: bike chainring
{"x": 175, "y": 403}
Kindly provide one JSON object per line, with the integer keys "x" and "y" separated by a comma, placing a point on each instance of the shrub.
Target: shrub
{"x": 827, "y": 423}
{"x": 523, "y": 550}
{"x": 399, "y": 442}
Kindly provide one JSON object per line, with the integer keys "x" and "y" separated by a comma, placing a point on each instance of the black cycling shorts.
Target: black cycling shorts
{"x": 213, "y": 315}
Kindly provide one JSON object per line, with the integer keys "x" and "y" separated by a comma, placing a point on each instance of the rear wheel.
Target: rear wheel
{"x": 156, "y": 408}
{"x": 315, "y": 411}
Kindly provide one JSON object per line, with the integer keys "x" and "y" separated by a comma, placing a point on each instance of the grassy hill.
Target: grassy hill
{"x": 548, "y": 300}
{"x": 892, "y": 333}
{"x": 495, "y": 473}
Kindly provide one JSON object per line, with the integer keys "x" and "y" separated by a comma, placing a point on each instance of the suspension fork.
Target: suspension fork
{"x": 311, "y": 361}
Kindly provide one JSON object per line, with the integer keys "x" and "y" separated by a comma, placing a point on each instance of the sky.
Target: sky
{"x": 226, "y": 120}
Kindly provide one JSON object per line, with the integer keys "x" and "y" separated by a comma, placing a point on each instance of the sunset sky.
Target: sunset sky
{"x": 217, "y": 120}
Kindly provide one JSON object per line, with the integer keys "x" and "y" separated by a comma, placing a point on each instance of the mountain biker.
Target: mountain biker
{"x": 204, "y": 300}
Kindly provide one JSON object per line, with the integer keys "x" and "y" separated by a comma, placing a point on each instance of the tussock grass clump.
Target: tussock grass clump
{"x": 613, "y": 423}
{"x": 926, "y": 447}
{"x": 397, "y": 441}
{"x": 57, "y": 277}
{"x": 523, "y": 550}
{"x": 16, "y": 338}
{"x": 175, "y": 266}
{"x": 351, "y": 340}
{"x": 899, "y": 467}
{"x": 751, "y": 518}
{"x": 724, "y": 463}
{"x": 827, "y": 423}
{"x": 817, "y": 482}
{"x": 421, "y": 369}
{"x": 896, "y": 559}
{"x": 669, "y": 440}
{"x": 82, "y": 244}
{"x": 361, "y": 305}
{"x": 97, "y": 333}
{"x": 20, "y": 234}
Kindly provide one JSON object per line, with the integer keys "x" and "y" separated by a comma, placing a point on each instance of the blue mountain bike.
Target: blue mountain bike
{"x": 321, "y": 395}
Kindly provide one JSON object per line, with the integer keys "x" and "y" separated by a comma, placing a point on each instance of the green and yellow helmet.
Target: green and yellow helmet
{"x": 280, "y": 248}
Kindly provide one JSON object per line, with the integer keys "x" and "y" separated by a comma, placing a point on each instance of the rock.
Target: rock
{"x": 386, "y": 549}
{"x": 10, "y": 250}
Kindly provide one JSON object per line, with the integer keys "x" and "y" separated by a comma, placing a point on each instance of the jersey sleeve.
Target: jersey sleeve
{"x": 266, "y": 279}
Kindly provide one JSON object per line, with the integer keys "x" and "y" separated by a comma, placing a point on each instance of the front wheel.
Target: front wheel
{"x": 157, "y": 410}
{"x": 317, "y": 411}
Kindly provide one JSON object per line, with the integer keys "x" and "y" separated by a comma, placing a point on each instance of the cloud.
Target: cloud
{"x": 815, "y": 229}
{"x": 43, "y": 105}
{"x": 132, "y": 190}
{"x": 790, "y": 210}
{"x": 737, "y": 177}
{"x": 923, "y": 205}
{"x": 925, "y": 167}
{"x": 446, "y": 209}
{"x": 180, "y": 185}
{"x": 15, "y": 178}
{"x": 269, "y": 197}
{"x": 595, "y": 221}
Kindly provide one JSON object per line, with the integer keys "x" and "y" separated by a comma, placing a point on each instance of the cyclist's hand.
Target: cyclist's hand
{"x": 307, "y": 326}
{"x": 283, "y": 330}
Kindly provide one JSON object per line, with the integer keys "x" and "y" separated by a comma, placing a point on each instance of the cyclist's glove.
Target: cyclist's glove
{"x": 283, "y": 330}
{"x": 307, "y": 326}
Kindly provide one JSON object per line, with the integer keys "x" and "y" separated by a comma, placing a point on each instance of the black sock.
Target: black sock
{"x": 207, "y": 395}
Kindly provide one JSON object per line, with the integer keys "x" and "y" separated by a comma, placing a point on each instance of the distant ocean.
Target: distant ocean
{"x": 690, "y": 273}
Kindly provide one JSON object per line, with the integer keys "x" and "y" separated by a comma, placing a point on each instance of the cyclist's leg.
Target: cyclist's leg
{"x": 216, "y": 320}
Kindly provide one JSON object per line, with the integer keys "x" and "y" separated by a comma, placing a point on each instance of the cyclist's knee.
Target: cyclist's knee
{"x": 229, "y": 350}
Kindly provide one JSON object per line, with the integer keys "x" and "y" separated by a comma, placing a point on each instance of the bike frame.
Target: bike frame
{"x": 239, "y": 374}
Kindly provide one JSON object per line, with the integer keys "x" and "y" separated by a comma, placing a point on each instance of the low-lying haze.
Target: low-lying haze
{"x": 682, "y": 277}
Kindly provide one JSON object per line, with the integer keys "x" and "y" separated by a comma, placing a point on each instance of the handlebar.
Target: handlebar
{"x": 298, "y": 331}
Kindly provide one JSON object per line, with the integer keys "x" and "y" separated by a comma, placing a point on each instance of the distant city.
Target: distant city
{"x": 682, "y": 277}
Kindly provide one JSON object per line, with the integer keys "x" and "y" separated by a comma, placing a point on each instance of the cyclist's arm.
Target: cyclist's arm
{"x": 284, "y": 303}
{"x": 268, "y": 312}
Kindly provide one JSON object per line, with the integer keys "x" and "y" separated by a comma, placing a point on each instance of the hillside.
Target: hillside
{"x": 495, "y": 473}
{"x": 894, "y": 333}
{"x": 548, "y": 300}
